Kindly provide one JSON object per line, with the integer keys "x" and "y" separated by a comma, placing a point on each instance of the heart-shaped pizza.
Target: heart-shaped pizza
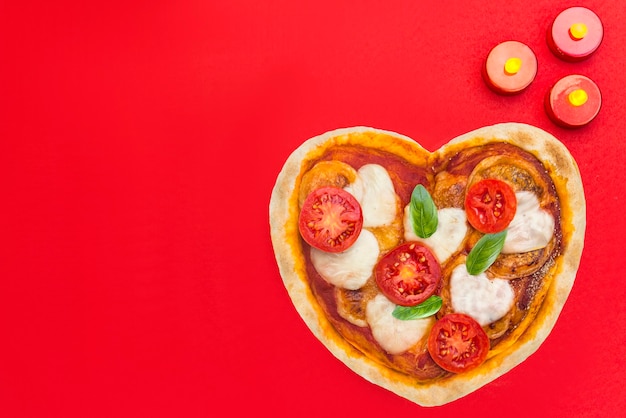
{"x": 429, "y": 273}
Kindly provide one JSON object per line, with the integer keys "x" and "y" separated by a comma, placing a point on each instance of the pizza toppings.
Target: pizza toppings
{"x": 374, "y": 190}
{"x": 408, "y": 274}
{"x": 490, "y": 205}
{"x": 394, "y": 335}
{"x": 451, "y": 231}
{"x": 422, "y": 213}
{"x": 323, "y": 174}
{"x": 457, "y": 343}
{"x": 484, "y": 299}
{"x": 349, "y": 269}
{"x": 351, "y": 304}
{"x": 532, "y": 228}
{"x": 385, "y": 269}
{"x": 485, "y": 252}
{"x": 425, "y": 309}
{"x": 330, "y": 219}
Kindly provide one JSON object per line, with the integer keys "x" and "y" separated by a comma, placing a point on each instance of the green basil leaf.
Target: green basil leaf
{"x": 485, "y": 252}
{"x": 425, "y": 309}
{"x": 423, "y": 212}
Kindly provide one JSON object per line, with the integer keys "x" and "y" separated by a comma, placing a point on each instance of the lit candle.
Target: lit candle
{"x": 575, "y": 34}
{"x": 573, "y": 101}
{"x": 510, "y": 67}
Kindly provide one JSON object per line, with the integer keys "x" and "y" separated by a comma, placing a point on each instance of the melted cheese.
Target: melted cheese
{"x": 486, "y": 300}
{"x": 374, "y": 190}
{"x": 394, "y": 335}
{"x": 448, "y": 236}
{"x": 531, "y": 228}
{"x": 349, "y": 269}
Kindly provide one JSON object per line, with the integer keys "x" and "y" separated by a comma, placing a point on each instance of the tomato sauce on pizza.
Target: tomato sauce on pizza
{"x": 519, "y": 274}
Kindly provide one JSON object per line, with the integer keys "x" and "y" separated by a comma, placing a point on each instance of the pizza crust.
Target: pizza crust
{"x": 283, "y": 210}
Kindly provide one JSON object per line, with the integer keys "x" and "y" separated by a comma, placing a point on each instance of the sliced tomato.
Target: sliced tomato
{"x": 457, "y": 343}
{"x": 409, "y": 274}
{"x": 330, "y": 219}
{"x": 490, "y": 205}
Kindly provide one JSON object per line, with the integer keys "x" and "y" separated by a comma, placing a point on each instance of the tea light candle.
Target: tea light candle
{"x": 575, "y": 34}
{"x": 510, "y": 67}
{"x": 573, "y": 101}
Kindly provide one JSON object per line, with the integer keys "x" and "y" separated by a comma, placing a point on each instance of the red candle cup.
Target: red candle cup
{"x": 573, "y": 101}
{"x": 575, "y": 34}
{"x": 510, "y": 67}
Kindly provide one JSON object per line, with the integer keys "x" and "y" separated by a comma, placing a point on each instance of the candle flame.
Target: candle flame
{"x": 578, "y": 97}
{"x": 512, "y": 66}
{"x": 578, "y": 31}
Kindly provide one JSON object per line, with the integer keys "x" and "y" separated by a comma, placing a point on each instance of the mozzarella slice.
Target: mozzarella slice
{"x": 450, "y": 232}
{"x": 349, "y": 269}
{"x": 531, "y": 228}
{"x": 486, "y": 300}
{"x": 374, "y": 190}
{"x": 394, "y": 335}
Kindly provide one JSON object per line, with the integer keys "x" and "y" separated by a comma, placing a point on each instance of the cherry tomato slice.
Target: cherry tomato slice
{"x": 330, "y": 219}
{"x": 490, "y": 205}
{"x": 409, "y": 274}
{"x": 457, "y": 343}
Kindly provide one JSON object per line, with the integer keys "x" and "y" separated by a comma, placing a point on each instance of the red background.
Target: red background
{"x": 140, "y": 141}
